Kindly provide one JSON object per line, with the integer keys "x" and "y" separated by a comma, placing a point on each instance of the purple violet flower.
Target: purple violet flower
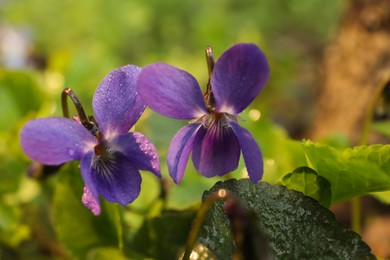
{"x": 213, "y": 135}
{"x": 110, "y": 156}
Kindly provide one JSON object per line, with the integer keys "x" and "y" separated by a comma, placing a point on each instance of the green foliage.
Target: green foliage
{"x": 106, "y": 253}
{"x": 382, "y": 127}
{"x": 281, "y": 153}
{"x": 163, "y": 237}
{"x": 353, "y": 171}
{"x": 297, "y": 226}
{"x": 77, "y": 228}
{"x": 15, "y": 104}
{"x": 78, "y": 50}
{"x": 307, "y": 181}
{"x": 12, "y": 231}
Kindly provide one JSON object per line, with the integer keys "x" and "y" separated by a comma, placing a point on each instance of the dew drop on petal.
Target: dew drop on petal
{"x": 89, "y": 202}
{"x": 70, "y": 152}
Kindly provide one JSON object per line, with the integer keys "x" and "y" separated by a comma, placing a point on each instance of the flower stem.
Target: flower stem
{"x": 356, "y": 214}
{"x": 210, "y": 59}
{"x": 85, "y": 121}
{"x": 208, "y": 95}
{"x": 220, "y": 195}
{"x": 370, "y": 113}
{"x": 356, "y": 201}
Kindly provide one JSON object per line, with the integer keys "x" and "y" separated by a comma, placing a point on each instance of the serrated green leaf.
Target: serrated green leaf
{"x": 307, "y": 181}
{"x": 353, "y": 171}
{"x": 77, "y": 228}
{"x": 297, "y": 226}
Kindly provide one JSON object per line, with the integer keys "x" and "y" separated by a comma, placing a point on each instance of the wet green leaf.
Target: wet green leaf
{"x": 353, "y": 171}
{"x": 307, "y": 181}
{"x": 297, "y": 226}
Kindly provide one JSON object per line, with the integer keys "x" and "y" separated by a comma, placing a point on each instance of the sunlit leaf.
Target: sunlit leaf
{"x": 383, "y": 196}
{"x": 307, "y": 181}
{"x": 297, "y": 226}
{"x": 353, "y": 171}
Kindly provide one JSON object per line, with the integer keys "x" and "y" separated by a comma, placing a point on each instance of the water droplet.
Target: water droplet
{"x": 70, "y": 152}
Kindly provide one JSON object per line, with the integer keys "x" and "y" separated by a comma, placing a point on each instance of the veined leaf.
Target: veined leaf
{"x": 307, "y": 181}
{"x": 353, "y": 171}
{"x": 297, "y": 226}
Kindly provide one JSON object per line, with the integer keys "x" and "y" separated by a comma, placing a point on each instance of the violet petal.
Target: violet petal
{"x": 251, "y": 153}
{"x": 140, "y": 151}
{"x": 216, "y": 150}
{"x": 238, "y": 76}
{"x": 55, "y": 140}
{"x": 179, "y": 151}
{"x": 90, "y": 197}
{"x": 90, "y": 202}
{"x": 116, "y": 179}
{"x": 170, "y": 91}
{"x": 116, "y": 104}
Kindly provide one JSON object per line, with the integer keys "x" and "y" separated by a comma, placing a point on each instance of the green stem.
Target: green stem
{"x": 119, "y": 213}
{"x": 88, "y": 123}
{"x": 208, "y": 95}
{"x": 370, "y": 113}
{"x": 356, "y": 201}
{"x": 222, "y": 194}
{"x": 356, "y": 214}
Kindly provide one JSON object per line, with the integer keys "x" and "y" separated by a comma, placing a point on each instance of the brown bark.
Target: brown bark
{"x": 353, "y": 67}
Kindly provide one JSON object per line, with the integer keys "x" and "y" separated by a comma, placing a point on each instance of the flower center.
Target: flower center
{"x": 222, "y": 120}
{"x": 104, "y": 160}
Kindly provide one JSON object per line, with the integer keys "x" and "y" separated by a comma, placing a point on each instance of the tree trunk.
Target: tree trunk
{"x": 353, "y": 67}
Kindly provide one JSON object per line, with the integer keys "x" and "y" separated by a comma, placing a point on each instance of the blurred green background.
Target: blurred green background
{"x": 48, "y": 45}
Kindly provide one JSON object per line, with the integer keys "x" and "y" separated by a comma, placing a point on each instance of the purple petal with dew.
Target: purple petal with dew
{"x": 139, "y": 150}
{"x": 216, "y": 150}
{"x": 116, "y": 104}
{"x": 55, "y": 140}
{"x": 238, "y": 76}
{"x": 170, "y": 91}
{"x": 251, "y": 153}
{"x": 90, "y": 202}
{"x": 90, "y": 197}
{"x": 115, "y": 178}
{"x": 179, "y": 151}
